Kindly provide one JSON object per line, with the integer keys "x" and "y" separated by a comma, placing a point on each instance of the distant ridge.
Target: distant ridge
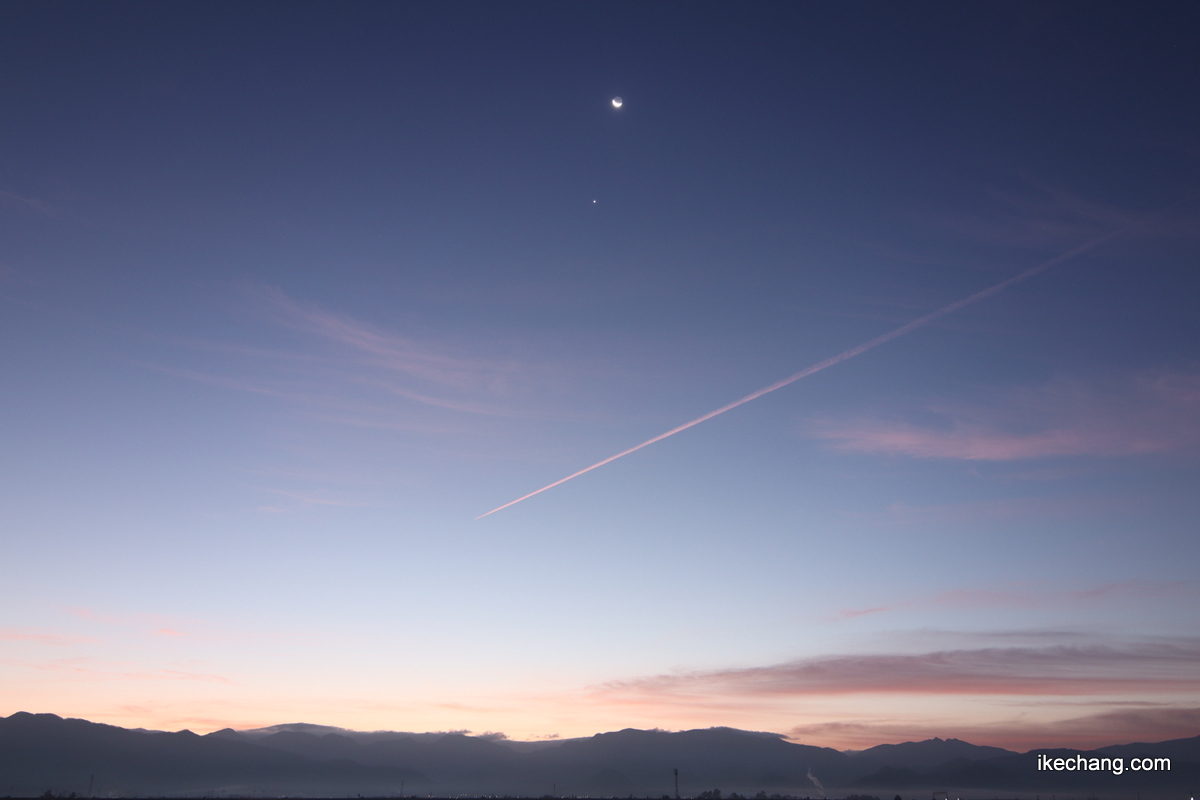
{"x": 44, "y": 752}
{"x": 929, "y": 753}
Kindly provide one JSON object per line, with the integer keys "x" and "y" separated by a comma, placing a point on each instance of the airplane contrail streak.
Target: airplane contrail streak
{"x": 839, "y": 358}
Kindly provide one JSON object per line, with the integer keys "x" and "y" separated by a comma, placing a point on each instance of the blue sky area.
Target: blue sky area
{"x": 291, "y": 293}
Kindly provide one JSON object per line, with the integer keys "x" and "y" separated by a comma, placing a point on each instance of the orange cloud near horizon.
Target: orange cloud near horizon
{"x": 1015, "y": 697}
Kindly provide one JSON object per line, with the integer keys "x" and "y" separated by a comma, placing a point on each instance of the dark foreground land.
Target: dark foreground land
{"x": 937, "y": 796}
{"x": 45, "y": 756}
{"x": 546, "y": 797}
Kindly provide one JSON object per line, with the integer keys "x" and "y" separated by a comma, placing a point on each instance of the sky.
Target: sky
{"x": 292, "y": 294}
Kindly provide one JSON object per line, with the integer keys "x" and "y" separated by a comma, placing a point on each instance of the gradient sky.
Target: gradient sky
{"x": 291, "y": 293}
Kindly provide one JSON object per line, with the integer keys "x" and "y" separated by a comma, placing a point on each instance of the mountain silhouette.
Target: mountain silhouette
{"x": 929, "y": 753}
{"x": 1018, "y": 773}
{"x": 1178, "y": 749}
{"x": 40, "y": 752}
{"x": 44, "y": 752}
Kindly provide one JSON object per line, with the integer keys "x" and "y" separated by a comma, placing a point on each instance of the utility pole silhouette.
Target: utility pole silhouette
{"x": 677, "y": 783}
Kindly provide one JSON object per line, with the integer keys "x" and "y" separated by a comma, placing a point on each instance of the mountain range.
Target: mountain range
{"x": 44, "y": 752}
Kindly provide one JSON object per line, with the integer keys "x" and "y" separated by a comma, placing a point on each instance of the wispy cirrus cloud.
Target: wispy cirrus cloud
{"x": 312, "y": 499}
{"x": 347, "y": 371}
{"x": 1056, "y": 670}
{"x": 1149, "y": 413}
{"x": 20, "y": 201}
{"x": 309, "y": 364}
{"x": 94, "y": 670}
{"x": 308, "y": 389}
{"x": 1064, "y": 507}
{"x": 153, "y": 625}
{"x": 393, "y": 353}
{"x": 39, "y": 636}
{"x": 1032, "y": 596}
{"x": 1038, "y": 214}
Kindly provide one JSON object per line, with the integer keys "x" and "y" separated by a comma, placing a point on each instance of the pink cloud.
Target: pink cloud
{"x": 1059, "y": 670}
{"x": 155, "y": 625}
{"x": 41, "y": 637}
{"x": 89, "y": 669}
{"x": 389, "y": 351}
{"x": 1032, "y": 596}
{"x": 953, "y": 599}
{"x": 1147, "y": 414}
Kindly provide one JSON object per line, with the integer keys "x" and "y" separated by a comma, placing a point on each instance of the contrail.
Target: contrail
{"x": 839, "y": 358}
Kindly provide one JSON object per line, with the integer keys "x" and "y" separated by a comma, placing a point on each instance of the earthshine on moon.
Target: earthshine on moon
{"x": 617, "y": 102}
